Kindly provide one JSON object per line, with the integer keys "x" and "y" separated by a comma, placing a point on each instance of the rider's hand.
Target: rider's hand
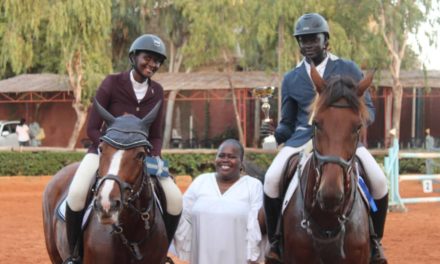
{"x": 267, "y": 129}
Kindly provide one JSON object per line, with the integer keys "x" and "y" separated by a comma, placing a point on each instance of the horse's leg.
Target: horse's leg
{"x": 48, "y": 226}
{"x": 53, "y": 229}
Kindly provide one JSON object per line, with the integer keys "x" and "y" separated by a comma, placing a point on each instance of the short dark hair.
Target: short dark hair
{"x": 237, "y": 143}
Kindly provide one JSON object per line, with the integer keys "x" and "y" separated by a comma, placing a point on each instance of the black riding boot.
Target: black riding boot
{"x": 272, "y": 210}
{"x": 171, "y": 223}
{"x": 73, "y": 230}
{"x": 377, "y": 253}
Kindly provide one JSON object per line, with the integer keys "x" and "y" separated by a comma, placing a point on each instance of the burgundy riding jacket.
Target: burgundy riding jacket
{"x": 117, "y": 96}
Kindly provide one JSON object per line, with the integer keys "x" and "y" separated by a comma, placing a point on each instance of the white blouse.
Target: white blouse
{"x": 220, "y": 228}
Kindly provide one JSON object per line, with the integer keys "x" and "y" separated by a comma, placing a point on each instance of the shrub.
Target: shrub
{"x": 48, "y": 163}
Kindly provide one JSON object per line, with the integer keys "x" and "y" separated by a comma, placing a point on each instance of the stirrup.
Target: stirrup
{"x": 377, "y": 253}
{"x": 72, "y": 260}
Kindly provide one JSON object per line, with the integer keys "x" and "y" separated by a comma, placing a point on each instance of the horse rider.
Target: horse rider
{"x": 313, "y": 35}
{"x": 132, "y": 92}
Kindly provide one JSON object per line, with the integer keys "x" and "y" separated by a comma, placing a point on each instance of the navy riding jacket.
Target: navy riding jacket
{"x": 298, "y": 93}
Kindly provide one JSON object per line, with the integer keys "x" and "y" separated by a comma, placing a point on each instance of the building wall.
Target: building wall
{"x": 57, "y": 119}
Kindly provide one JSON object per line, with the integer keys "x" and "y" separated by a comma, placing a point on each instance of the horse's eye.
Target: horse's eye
{"x": 358, "y": 129}
{"x": 317, "y": 125}
{"x": 140, "y": 155}
{"x": 99, "y": 150}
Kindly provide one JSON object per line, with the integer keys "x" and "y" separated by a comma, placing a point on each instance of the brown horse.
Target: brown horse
{"x": 125, "y": 225}
{"x": 326, "y": 220}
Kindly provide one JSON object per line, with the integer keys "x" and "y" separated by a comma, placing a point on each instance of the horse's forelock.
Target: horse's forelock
{"x": 341, "y": 87}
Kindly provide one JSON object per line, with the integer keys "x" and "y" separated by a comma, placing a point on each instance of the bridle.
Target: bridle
{"x": 134, "y": 191}
{"x": 319, "y": 235}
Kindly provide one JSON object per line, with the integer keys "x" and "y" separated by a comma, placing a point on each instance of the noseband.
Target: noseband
{"x": 124, "y": 187}
{"x": 147, "y": 214}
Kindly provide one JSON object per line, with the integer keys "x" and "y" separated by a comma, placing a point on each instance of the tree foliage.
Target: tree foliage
{"x": 88, "y": 38}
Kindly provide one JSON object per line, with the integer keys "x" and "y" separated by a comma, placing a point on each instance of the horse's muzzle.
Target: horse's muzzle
{"x": 108, "y": 212}
{"x": 330, "y": 203}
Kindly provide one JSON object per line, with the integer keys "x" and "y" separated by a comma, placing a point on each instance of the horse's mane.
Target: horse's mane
{"x": 340, "y": 87}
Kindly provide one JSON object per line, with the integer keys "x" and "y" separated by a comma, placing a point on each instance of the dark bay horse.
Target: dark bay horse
{"x": 125, "y": 225}
{"x": 326, "y": 220}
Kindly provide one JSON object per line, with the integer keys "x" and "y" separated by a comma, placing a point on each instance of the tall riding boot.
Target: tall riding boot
{"x": 272, "y": 210}
{"x": 73, "y": 230}
{"x": 171, "y": 223}
{"x": 377, "y": 254}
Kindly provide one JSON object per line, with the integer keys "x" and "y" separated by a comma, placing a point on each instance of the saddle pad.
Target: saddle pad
{"x": 362, "y": 187}
{"x": 61, "y": 211}
{"x": 294, "y": 182}
{"x": 365, "y": 193}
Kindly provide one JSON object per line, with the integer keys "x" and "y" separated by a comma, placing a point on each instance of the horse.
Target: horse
{"x": 125, "y": 224}
{"x": 326, "y": 219}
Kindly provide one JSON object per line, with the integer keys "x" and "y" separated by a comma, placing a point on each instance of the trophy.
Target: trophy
{"x": 264, "y": 93}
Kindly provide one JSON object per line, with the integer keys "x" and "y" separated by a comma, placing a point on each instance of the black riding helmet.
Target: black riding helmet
{"x": 311, "y": 23}
{"x": 148, "y": 42}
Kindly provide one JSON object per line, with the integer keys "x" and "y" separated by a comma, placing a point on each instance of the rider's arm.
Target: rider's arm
{"x": 289, "y": 111}
{"x": 357, "y": 73}
{"x": 156, "y": 128}
{"x": 95, "y": 122}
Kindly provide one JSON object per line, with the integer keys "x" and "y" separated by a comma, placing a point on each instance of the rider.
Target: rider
{"x": 294, "y": 130}
{"x": 132, "y": 92}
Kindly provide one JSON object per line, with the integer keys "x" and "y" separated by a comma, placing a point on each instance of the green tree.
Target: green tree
{"x": 79, "y": 32}
{"x": 396, "y": 19}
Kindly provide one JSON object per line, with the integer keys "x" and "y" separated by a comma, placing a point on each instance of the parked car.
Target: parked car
{"x": 8, "y": 137}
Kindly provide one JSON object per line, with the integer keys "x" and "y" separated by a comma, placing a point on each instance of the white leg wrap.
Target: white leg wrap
{"x": 172, "y": 194}
{"x": 81, "y": 182}
{"x": 274, "y": 173}
{"x": 374, "y": 173}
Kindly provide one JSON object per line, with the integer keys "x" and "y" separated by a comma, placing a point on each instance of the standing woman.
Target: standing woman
{"x": 219, "y": 222}
{"x": 131, "y": 92}
{"x": 22, "y": 131}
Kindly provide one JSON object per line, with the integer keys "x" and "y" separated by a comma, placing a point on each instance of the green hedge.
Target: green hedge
{"x": 48, "y": 163}
{"x": 35, "y": 163}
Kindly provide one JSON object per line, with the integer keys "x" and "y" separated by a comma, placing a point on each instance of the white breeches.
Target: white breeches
{"x": 374, "y": 172}
{"x": 275, "y": 171}
{"x": 84, "y": 176}
{"x": 82, "y": 181}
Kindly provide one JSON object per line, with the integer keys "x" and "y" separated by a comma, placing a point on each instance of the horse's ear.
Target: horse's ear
{"x": 365, "y": 83}
{"x": 149, "y": 118}
{"x": 109, "y": 118}
{"x": 317, "y": 79}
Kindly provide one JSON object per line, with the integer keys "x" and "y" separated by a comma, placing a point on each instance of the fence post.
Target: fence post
{"x": 392, "y": 172}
